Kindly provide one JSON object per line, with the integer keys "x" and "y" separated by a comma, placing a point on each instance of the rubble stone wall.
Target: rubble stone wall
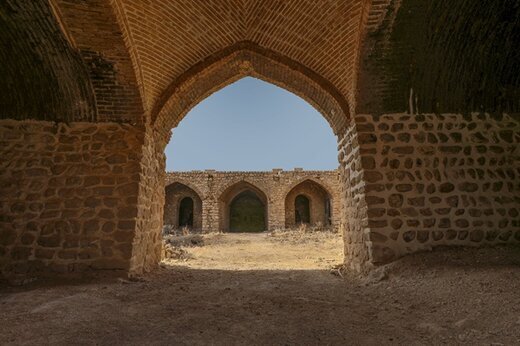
{"x": 276, "y": 185}
{"x": 439, "y": 180}
{"x": 82, "y": 196}
{"x": 68, "y": 196}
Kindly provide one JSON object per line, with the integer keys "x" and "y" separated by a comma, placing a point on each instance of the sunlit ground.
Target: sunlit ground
{"x": 255, "y": 251}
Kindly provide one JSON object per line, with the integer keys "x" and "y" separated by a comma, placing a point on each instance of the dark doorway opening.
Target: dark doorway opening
{"x": 247, "y": 213}
{"x": 302, "y": 210}
{"x": 186, "y": 212}
{"x": 328, "y": 213}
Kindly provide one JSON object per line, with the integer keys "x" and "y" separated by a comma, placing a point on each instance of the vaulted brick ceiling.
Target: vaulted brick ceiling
{"x": 117, "y": 60}
{"x": 168, "y": 37}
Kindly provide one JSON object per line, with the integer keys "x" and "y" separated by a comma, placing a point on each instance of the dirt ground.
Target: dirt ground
{"x": 262, "y": 251}
{"x": 237, "y": 289}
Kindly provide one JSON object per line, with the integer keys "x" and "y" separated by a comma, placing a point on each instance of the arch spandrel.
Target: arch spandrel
{"x": 231, "y": 190}
{"x": 327, "y": 189}
{"x": 187, "y": 184}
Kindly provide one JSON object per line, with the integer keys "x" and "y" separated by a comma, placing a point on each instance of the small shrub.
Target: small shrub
{"x": 186, "y": 230}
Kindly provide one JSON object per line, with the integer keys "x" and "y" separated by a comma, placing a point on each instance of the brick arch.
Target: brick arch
{"x": 98, "y": 33}
{"x": 43, "y": 74}
{"x": 241, "y": 60}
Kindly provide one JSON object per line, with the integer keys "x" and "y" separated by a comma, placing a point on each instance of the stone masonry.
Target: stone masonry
{"x": 216, "y": 190}
{"x": 428, "y": 147}
{"x": 439, "y": 180}
{"x": 68, "y": 196}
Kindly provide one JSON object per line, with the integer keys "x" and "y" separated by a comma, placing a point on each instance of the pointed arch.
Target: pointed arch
{"x": 241, "y": 60}
{"x": 240, "y": 185}
{"x": 319, "y": 203}
{"x": 179, "y": 180}
{"x": 175, "y": 194}
{"x": 320, "y": 183}
{"x": 236, "y": 190}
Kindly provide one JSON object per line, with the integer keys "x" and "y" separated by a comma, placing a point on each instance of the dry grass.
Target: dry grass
{"x": 304, "y": 233}
{"x": 302, "y": 248}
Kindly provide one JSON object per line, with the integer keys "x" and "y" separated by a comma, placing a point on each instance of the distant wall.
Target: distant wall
{"x": 275, "y": 185}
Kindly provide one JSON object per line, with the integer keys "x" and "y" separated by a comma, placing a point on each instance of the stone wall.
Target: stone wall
{"x": 439, "y": 180}
{"x": 146, "y": 247}
{"x": 213, "y": 187}
{"x": 85, "y": 196}
{"x": 68, "y": 196}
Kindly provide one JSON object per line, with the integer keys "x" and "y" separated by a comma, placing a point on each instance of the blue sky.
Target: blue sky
{"x": 252, "y": 125}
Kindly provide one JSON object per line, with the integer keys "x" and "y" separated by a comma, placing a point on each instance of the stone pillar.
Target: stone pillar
{"x": 354, "y": 224}
{"x": 68, "y": 196}
{"x": 276, "y": 213}
{"x": 210, "y": 215}
{"x": 146, "y": 246}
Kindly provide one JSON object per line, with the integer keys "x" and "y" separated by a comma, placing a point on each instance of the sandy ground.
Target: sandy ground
{"x": 259, "y": 290}
{"x": 264, "y": 251}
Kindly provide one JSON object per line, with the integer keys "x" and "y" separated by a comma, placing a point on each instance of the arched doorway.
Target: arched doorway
{"x": 246, "y": 213}
{"x": 302, "y": 210}
{"x": 236, "y": 62}
{"x": 243, "y": 208}
{"x": 186, "y": 212}
{"x": 309, "y": 203}
{"x": 183, "y": 207}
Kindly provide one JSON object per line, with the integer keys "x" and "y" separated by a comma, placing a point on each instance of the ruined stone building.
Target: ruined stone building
{"x": 252, "y": 201}
{"x": 422, "y": 95}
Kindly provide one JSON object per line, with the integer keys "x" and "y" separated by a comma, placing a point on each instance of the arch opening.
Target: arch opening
{"x": 302, "y": 210}
{"x": 182, "y": 208}
{"x": 243, "y": 208}
{"x": 236, "y": 62}
{"x": 246, "y": 213}
{"x": 227, "y": 132}
{"x": 227, "y": 67}
{"x": 308, "y": 203}
{"x": 186, "y": 212}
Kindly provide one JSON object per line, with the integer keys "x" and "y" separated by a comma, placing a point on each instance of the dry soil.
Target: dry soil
{"x": 278, "y": 290}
